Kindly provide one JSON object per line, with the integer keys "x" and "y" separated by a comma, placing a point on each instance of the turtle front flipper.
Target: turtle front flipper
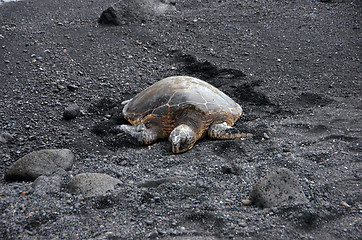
{"x": 138, "y": 133}
{"x": 224, "y": 131}
{"x": 182, "y": 138}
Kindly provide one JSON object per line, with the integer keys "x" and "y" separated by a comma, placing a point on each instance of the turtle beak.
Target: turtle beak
{"x": 175, "y": 142}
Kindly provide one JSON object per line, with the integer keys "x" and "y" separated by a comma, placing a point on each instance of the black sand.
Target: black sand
{"x": 294, "y": 66}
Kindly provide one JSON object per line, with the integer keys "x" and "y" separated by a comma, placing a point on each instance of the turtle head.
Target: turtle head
{"x": 182, "y": 138}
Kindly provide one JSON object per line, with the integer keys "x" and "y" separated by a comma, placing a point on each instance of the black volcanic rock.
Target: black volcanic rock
{"x": 128, "y": 11}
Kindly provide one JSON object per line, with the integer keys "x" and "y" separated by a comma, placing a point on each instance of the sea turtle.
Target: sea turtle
{"x": 184, "y": 109}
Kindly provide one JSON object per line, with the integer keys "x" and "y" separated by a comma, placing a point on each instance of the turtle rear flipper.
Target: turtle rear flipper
{"x": 182, "y": 138}
{"x": 224, "y": 131}
{"x": 137, "y": 133}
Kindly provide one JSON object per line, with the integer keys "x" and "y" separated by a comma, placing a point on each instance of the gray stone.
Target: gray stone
{"x": 92, "y": 184}
{"x": 44, "y": 162}
{"x": 276, "y": 189}
{"x": 47, "y": 184}
{"x": 6, "y": 137}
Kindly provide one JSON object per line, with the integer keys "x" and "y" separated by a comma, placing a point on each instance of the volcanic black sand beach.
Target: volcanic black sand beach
{"x": 294, "y": 66}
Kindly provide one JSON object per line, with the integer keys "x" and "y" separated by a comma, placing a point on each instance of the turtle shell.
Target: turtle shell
{"x": 178, "y": 93}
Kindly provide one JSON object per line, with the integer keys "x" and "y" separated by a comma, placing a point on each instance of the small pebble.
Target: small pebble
{"x": 149, "y": 222}
{"x": 71, "y": 112}
{"x": 72, "y": 87}
{"x": 344, "y": 204}
{"x": 246, "y": 202}
{"x": 152, "y": 235}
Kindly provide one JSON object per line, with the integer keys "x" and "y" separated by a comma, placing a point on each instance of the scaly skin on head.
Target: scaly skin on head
{"x": 182, "y": 138}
